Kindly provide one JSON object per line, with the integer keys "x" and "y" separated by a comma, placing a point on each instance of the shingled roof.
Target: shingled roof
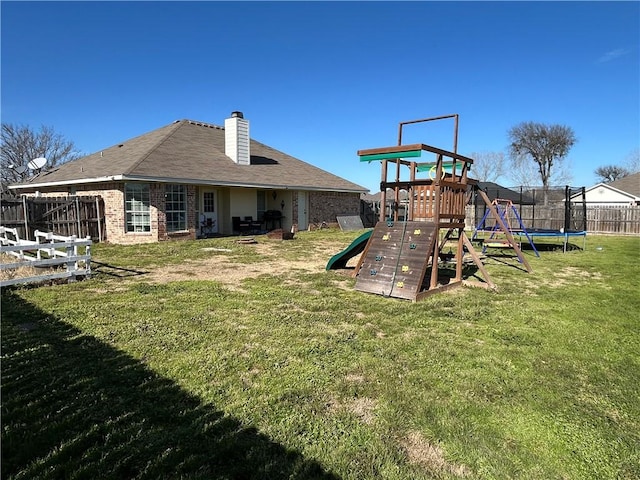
{"x": 629, "y": 184}
{"x": 192, "y": 152}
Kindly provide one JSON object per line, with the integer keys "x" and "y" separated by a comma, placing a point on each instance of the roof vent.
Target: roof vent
{"x": 236, "y": 139}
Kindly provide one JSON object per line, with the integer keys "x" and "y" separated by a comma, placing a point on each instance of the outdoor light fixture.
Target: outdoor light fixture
{"x": 282, "y": 205}
{"x": 274, "y": 194}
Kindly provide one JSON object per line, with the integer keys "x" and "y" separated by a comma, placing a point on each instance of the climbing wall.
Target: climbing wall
{"x": 396, "y": 258}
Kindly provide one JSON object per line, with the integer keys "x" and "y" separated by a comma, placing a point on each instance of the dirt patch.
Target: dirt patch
{"x": 221, "y": 267}
{"x": 20, "y": 272}
{"x": 573, "y": 276}
{"x": 362, "y": 407}
{"x": 354, "y": 378}
{"x": 430, "y": 457}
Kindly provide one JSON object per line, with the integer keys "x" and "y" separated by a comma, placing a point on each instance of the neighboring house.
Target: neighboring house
{"x": 371, "y": 206}
{"x": 522, "y": 196}
{"x": 619, "y": 193}
{"x": 173, "y": 181}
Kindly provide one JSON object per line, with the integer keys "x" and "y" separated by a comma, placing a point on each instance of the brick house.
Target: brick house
{"x": 189, "y": 178}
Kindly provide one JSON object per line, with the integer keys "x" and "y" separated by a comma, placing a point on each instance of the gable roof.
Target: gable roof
{"x": 629, "y": 184}
{"x": 494, "y": 190}
{"x": 606, "y": 193}
{"x": 192, "y": 152}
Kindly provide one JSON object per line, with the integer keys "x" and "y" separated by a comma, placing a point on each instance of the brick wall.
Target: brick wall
{"x": 113, "y": 195}
{"x": 322, "y": 207}
{"x": 325, "y": 206}
{"x": 156, "y": 193}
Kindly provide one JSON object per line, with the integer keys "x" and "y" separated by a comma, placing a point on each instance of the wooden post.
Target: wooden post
{"x": 98, "y": 217}
{"x": 383, "y": 193}
{"x": 436, "y": 219}
{"x": 26, "y": 222}
{"x": 411, "y": 200}
{"x": 459, "y": 255}
{"x": 396, "y": 195}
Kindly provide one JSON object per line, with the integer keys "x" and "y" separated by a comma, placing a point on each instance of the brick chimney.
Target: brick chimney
{"x": 236, "y": 139}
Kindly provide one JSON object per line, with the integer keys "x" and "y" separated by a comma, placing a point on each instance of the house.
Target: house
{"x": 619, "y": 193}
{"x": 371, "y": 206}
{"x": 190, "y": 178}
{"x": 521, "y": 196}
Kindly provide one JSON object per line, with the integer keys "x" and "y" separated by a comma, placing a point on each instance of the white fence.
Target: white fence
{"x": 49, "y": 251}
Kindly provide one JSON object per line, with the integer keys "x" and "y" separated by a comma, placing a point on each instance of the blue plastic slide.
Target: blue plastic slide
{"x": 339, "y": 260}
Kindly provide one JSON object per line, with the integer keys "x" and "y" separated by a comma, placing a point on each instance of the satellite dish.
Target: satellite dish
{"x": 20, "y": 169}
{"x": 37, "y": 163}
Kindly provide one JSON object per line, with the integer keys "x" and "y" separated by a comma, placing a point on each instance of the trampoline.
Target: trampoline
{"x": 566, "y": 212}
{"x": 547, "y": 232}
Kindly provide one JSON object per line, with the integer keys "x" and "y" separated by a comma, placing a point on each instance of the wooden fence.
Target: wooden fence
{"x": 67, "y": 216}
{"x": 610, "y": 220}
{"x": 620, "y": 220}
{"x": 48, "y": 251}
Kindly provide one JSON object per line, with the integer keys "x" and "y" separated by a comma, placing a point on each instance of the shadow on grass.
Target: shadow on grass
{"x": 551, "y": 247}
{"x": 74, "y": 407}
{"x": 507, "y": 260}
{"x": 114, "y": 271}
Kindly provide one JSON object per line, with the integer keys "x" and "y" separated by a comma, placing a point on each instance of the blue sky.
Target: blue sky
{"x": 321, "y": 80}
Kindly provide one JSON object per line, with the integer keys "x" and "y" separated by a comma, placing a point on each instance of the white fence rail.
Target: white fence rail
{"x": 48, "y": 250}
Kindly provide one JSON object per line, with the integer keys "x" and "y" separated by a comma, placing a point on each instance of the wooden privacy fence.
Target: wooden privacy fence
{"x": 622, "y": 220}
{"x": 600, "y": 219}
{"x": 67, "y": 216}
{"x": 49, "y": 251}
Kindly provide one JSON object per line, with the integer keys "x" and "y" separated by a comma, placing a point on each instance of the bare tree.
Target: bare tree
{"x": 527, "y": 174}
{"x": 487, "y": 166}
{"x": 540, "y": 144}
{"x": 21, "y": 144}
{"x": 632, "y": 161}
{"x": 610, "y": 173}
{"x": 523, "y": 173}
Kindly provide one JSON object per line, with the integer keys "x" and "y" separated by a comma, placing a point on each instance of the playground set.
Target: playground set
{"x": 401, "y": 258}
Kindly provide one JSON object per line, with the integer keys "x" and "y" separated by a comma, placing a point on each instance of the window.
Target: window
{"x": 208, "y": 199}
{"x": 136, "y": 200}
{"x": 176, "y": 207}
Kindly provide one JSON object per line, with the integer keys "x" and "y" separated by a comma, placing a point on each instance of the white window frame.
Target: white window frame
{"x": 137, "y": 200}
{"x": 175, "y": 207}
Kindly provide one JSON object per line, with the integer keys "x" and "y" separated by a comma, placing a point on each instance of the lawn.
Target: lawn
{"x": 217, "y": 360}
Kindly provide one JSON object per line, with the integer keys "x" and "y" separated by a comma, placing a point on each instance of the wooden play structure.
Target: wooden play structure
{"x": 403, "y": 255}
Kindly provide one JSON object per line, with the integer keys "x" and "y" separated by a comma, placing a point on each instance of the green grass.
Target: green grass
{"x": 300, "y": 376}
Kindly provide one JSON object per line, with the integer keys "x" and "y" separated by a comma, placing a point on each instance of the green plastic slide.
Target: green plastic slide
{"x": 339, "y": 260}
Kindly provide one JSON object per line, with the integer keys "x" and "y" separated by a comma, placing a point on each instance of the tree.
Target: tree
{"x": 527, "y": 174}
{"x": 487, "y": 166}
{"x": 610, "y": 173}
{"x": 632, "y": 161}
{"x": 544, "y": 145}
{"x": 21, "y": 144}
